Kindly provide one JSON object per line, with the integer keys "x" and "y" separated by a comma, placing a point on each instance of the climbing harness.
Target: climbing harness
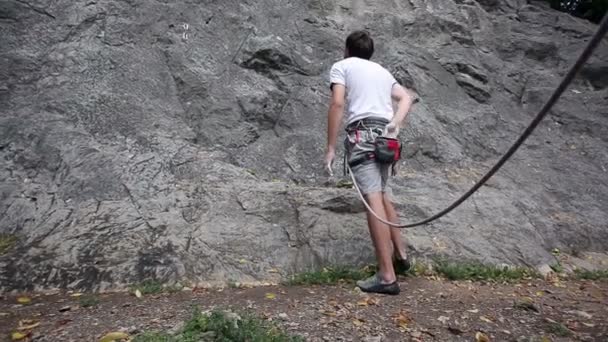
{"x": 591, "y": 46}
{"x": 384, "y": 149}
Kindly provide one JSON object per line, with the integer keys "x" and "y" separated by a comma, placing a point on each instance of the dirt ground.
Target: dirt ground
{"x": 426, "y": 310}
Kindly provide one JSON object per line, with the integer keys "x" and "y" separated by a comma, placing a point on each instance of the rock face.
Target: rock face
{"x": 183, "y": 140}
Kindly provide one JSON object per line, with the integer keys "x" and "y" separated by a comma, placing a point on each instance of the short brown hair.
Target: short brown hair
{"x": 360, "y": 44}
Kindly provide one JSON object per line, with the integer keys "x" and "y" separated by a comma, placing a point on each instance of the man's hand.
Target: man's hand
{"x": 330, "y": 155}
{"x": 391, "y": 130}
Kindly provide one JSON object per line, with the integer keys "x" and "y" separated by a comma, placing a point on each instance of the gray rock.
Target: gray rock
{"x": 182, "y": 142}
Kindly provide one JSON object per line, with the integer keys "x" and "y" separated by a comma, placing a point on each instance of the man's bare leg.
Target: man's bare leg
{"x": 381, "y": 237}
{"x": 398, "y": 245}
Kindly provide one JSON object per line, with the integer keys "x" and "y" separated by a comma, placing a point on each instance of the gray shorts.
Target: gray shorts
{"x": 370, "y": 176}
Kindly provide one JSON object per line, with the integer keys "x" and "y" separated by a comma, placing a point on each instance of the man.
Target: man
{"x": 365, "y": 90}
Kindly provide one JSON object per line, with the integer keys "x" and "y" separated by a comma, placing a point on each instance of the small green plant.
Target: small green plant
{"x": 155, "y": 337}
{"x": 221, "y": 326}
{"x": 558, "y": 329}
{"x": 331, "y": 275}
{"x": 155, "y": 287}
{"x": 88, "y": 301}
{"x": 7, "y": 242}
{"x": 557, "y": 268}
{"x": 421, "y": 269}
{"x": 591, "y": 275}
{"x": 478, "y": 271}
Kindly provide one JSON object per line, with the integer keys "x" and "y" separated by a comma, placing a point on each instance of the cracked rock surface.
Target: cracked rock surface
{"x": 183, "y": 140}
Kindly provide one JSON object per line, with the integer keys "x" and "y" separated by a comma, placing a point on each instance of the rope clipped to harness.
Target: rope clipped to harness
{"x": 593, "y": 43}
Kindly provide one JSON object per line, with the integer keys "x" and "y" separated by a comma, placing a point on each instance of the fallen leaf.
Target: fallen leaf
{"x": 17, "y": 336}
{"x": 362, "y": 302}
{"x": 402, "y": 320}
{"x": 357, "y": 322}
{"x": 242, "y": 261}
{"x": 485, "y": 319}
{"x": 271, "y": 296}
{"x": 329, "y": 313}
{"x": 589, "y": 325}
{"x": 443, "y": 319}
{"x": 138, "y": 293}
{"x": 24, "y": 300}
{"x": 455, "y": 330}
{"x": 114, "y": 336}
{"x": 23, "y": 326}
{"x": 273, "y": 270}
{"x": 77, "y": 294}
{"x": 481, "y": 337}
{"x": 64, "y": 322}
{"x": 65, "y": 308}
{"x": 367, "y": 301}
{"x": 582, "y": 314}
{"x": 540, "y": 293}
{"x": 526, "y": 305}
{"x": 473, "y": 311}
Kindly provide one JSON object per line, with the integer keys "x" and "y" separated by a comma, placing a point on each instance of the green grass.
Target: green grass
{"x": 88, "y": 301}
{"x": 451, "y": 270}
{"x": 330, "y": 275}
{"x": 7, "y": 242}
{"x": 155, "y": 287}
{"x": 220, "y": 326}
{"x": 591, "y": 275}
{"x": 558, "y": 329}
{"x": 478, "y": 271}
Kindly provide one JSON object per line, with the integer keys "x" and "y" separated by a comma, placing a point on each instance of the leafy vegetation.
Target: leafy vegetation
{"x": 479, "y": 271}
{"x": 221, "y": 326}
{"x": 591, "y": 275}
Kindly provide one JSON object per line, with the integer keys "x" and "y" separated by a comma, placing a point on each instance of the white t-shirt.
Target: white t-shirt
{"x": 368, "y": 88}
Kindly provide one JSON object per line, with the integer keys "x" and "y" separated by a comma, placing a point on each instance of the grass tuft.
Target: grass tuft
{"x": 478, "y": 271}
{"x": 558, "y": 329}
{"x": 330, "y": 275}
{"x": 7, "y": 242}
{"x": 557, "y": 268}
{"x": 591, "y": 275}
{"x": 221, "y": 326}
{"x": 88, "y": 301}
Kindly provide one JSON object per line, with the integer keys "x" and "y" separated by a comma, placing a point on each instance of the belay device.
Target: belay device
{"x": 386, "y": 151}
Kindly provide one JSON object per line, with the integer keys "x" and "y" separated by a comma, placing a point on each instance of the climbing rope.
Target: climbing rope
{"x": 591, "y": 46}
